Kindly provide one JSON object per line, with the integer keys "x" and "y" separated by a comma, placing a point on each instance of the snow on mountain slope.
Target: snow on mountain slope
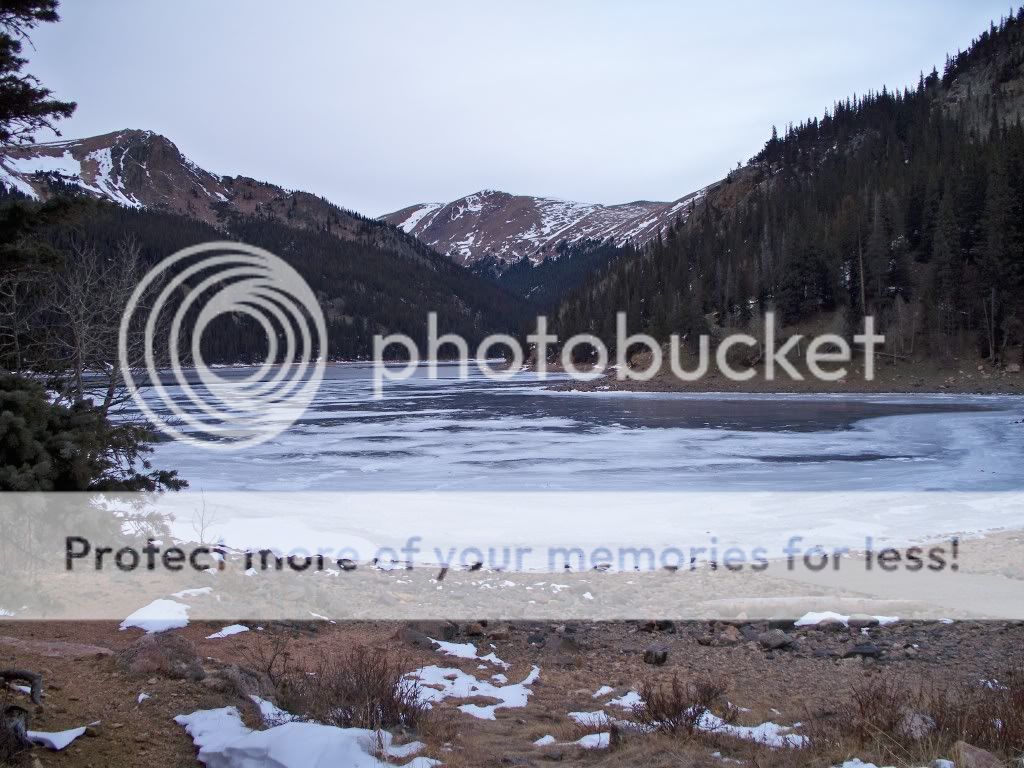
{"x": 508, "y": 227}
{"x": 142, "y": 169}
{"x": 130, "y": 167}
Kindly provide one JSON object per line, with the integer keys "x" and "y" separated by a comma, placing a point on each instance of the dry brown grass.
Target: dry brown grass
{"x": 903, "y": 721}
{"x": 364, "y": 688}
{"x": 880, "y": 718}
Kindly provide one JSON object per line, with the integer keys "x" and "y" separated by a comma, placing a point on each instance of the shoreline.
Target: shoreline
{"x": 900, "y": 379}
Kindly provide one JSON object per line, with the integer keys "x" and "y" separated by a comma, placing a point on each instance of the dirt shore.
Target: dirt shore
{"x": 808, "y": 673}
{"x": 890, "y": 378}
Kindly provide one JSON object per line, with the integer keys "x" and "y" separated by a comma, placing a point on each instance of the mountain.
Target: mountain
{"x": 506, "y": 228}
{"x": 369, "y": 276}
{"x": 142, "y": 169}
{"x": 905, "y": 204}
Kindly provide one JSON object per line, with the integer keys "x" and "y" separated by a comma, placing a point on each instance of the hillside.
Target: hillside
{"x": 904, "y": 204}
{"x": 370, "y": 277}
{"x": 144, "y": 170}
{"x": 504, "y": 228}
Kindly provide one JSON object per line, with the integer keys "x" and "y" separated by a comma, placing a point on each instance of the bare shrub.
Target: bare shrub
{"x": 893, "y": 719}
{"x": 879, "y": 707}
{"x": 270, "y": 654}
{"x": 684, "y": 707}
{"x": 987, "y": 715}
{"x": 363, "y": 688}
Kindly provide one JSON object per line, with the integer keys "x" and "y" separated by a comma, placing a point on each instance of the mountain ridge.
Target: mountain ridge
{"x": 491, "y": 224}
{"x": 138, "y": 168}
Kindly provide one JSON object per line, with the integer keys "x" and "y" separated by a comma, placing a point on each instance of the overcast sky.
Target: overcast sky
{"x": 378, "y": 104}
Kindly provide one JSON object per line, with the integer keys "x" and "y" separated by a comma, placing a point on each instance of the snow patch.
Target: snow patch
{"x": 158, "y": 616}
{"x": 193, "y": 592}
{"x": 630, "y": 700}
{"x": 595, "y": 741}
{"x": 233, "y": 629}
{"x": 417, "y": 215}
{"x": 225, "y": 742}
{"x": 55, "y": 740}
{"x": 468, "y": 651}
{"x": 814, "y": 618}
{"x": 438, "y": 683}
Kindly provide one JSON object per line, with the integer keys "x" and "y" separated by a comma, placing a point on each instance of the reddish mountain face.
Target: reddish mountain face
{"x": 142, "y": 169}
{"x": 507, "y": 227}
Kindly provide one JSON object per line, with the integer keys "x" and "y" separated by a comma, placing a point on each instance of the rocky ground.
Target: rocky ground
{"x": 772, "y": 671}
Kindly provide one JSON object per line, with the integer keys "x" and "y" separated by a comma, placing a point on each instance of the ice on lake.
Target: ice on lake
{"x": 478, "y": 435}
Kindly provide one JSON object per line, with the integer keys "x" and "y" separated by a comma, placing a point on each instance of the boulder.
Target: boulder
{"x": 438, "y": 630}
{"x": 968, "y": 756}
{"x": 414, "y": 637}
{"x": 239, "y": 681}
{"x": 864, "y": 651}
{"x": 774, "y": 639}
{"x": 499, "y": 633}
{"x": 751, "y": 632}
{"x": 861, "y": 621}
{"x": 830, "y": 625}
{"x": 656, "y": 655}
{"x": 730, "y": 636}
{"x": 164, "y": 654}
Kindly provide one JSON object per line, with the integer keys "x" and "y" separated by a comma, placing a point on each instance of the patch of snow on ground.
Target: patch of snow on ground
{"x": 458, "y": 650}
{"x": 543, "y": 741}
{"x": 770, "y": 734}
{"x": 468, "y": 651}
{"x": 630, "y": 700}
{"x": 493, "y": 658}
{"x": 196, "y": 592}
{"x": 158, "y": 616}
{"x": 595, "y": 741}
{"x": 604, "y": 690}
{"x": 270, "y": 713}
{"x": 225, "y": 742}
{"x": 591, "y": 719}
{"x": 57, "y": 740}
{"x": 813, "y": 618}
{"x": 234, "y": 629}
{"x": 142, "y": 697}
{"x": 437, "y": 683}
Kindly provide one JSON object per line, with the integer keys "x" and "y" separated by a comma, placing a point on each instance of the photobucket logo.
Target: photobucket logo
{"x": 825, "y": 356}
{"x": 162, "y": 329}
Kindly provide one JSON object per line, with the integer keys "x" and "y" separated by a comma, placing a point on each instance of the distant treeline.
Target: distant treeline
{"x": 363, "y": 289}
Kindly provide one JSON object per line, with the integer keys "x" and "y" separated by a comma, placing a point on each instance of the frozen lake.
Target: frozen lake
{"x": 481, "y": 435}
